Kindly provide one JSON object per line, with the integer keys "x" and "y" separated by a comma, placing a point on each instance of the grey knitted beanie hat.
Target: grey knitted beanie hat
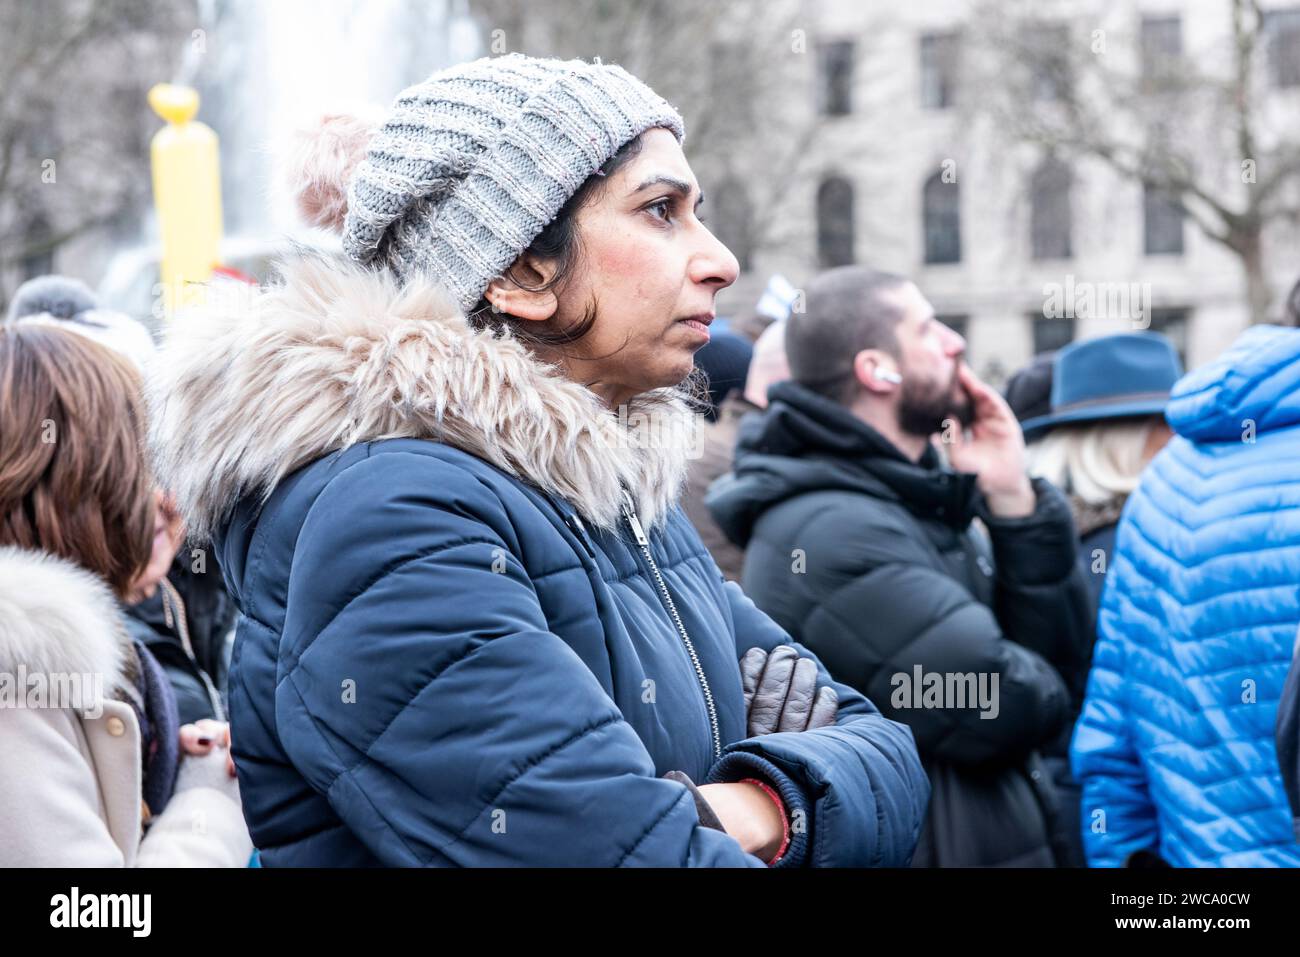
{"x": 468, "y": 167}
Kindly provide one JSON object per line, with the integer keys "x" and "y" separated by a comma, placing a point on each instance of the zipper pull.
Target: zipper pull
{"x": 579, "y": 530}
{"x": 629, "y": 512}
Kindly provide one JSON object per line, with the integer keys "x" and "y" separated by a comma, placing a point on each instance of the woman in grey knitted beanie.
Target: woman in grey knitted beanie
{"x": 441, "y": 478}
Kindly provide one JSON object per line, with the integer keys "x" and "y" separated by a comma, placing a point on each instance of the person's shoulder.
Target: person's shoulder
{"x": 404, "y": 487}
{"x": 1198, "y": 482}
{"x": 852, "y": 532}
{"x": 396, "y": 464}
{"x": 59, "y": 617}
{"x": 371, "y": 475}
{"x": 843, "y": 512}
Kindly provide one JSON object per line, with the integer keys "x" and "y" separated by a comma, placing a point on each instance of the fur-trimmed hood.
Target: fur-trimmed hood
{"x": 57, "y": 618}
{"x": 246, "y": 391}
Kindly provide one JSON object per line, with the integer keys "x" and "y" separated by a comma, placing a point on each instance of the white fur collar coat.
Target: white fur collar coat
{"x": 70, "y": 770}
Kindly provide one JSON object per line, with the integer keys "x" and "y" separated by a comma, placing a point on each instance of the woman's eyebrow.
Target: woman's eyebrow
{"x": 672, "y": 182}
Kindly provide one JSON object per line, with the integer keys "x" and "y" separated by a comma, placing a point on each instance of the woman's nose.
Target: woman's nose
{"x": 714, "y": 264}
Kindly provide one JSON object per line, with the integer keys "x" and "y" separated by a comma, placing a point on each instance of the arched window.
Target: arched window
{"x": 733, "y": 221}
{"x": 834, "y": 222}
{"x": 1049, "y": 215}
{"x": 941, "y": 205}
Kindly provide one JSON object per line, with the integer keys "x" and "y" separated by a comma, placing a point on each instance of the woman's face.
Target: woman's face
{"x": 168, "y": 535}
{"x": 652, "y": 270}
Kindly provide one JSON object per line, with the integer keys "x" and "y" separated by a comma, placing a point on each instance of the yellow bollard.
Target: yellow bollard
{"x": 187, "y": 194}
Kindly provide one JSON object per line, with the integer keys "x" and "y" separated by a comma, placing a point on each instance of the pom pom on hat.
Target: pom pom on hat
{"x": 319, "y": 162}
{"x": 67, "y": 303}
{"x": 60, "y": 296}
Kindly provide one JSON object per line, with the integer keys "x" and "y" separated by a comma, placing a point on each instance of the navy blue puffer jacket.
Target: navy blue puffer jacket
{"x": 454, "y": 650}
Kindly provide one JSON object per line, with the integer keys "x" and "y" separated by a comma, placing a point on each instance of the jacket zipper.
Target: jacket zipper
{"x": 629, "y": 513}
{"x": 175, "y": 618}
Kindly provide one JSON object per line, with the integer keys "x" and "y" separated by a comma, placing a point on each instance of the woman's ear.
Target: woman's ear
{"x": 522, "y": 291}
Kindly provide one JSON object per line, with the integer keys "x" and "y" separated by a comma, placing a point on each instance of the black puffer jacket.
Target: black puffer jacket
{"x": 873, "y": 562}
{"x": 187, "y": 625}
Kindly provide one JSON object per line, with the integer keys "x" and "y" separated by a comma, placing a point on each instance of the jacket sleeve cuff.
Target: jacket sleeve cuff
{"x": 1038, "y": 549}
{"x": 201, "y": 827}
{"x": 738, "y": 765}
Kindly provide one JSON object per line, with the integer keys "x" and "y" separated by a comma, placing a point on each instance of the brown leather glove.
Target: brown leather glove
{"x": 781, "y": 692}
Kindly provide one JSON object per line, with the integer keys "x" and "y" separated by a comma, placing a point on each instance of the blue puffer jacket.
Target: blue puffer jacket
{"x": 456, "y": 652}
{"x": 1175, "y": 746}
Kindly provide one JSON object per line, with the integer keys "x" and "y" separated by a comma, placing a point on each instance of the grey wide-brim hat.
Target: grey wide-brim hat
{"x": 472, "y": 164}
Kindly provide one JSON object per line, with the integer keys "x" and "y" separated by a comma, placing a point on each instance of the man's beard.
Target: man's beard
{"x": 923, "y": 409}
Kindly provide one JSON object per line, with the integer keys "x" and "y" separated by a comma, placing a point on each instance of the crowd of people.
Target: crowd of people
{"x": 475, "y": 546}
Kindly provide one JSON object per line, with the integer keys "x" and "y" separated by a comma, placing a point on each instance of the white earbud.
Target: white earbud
{"x": 884, "y": 375}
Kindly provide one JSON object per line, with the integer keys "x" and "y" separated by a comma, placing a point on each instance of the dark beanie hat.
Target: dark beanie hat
{"x": 725, "y": 360}
{"x": 1029, "y": 390}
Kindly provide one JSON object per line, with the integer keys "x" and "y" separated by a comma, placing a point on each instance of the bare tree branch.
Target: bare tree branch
{"x": 1104, "y": 111}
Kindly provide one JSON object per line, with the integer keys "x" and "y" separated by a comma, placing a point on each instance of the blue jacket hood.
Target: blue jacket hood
{"x": 1256, "y": 381}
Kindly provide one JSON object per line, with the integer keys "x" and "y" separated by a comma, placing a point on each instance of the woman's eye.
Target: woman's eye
{"x": 660, "y": 209}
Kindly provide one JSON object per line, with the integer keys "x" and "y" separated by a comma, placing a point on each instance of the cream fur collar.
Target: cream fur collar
{"x": 246, "y": 391}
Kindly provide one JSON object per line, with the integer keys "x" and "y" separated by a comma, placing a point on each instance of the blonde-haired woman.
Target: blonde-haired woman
{"x": 1098, "y": 465}
{"x": 1105, "y": 422}
{"x": 1093, "y": 418}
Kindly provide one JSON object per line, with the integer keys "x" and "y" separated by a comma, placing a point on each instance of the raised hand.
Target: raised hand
{"x": 994, "y": 451}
